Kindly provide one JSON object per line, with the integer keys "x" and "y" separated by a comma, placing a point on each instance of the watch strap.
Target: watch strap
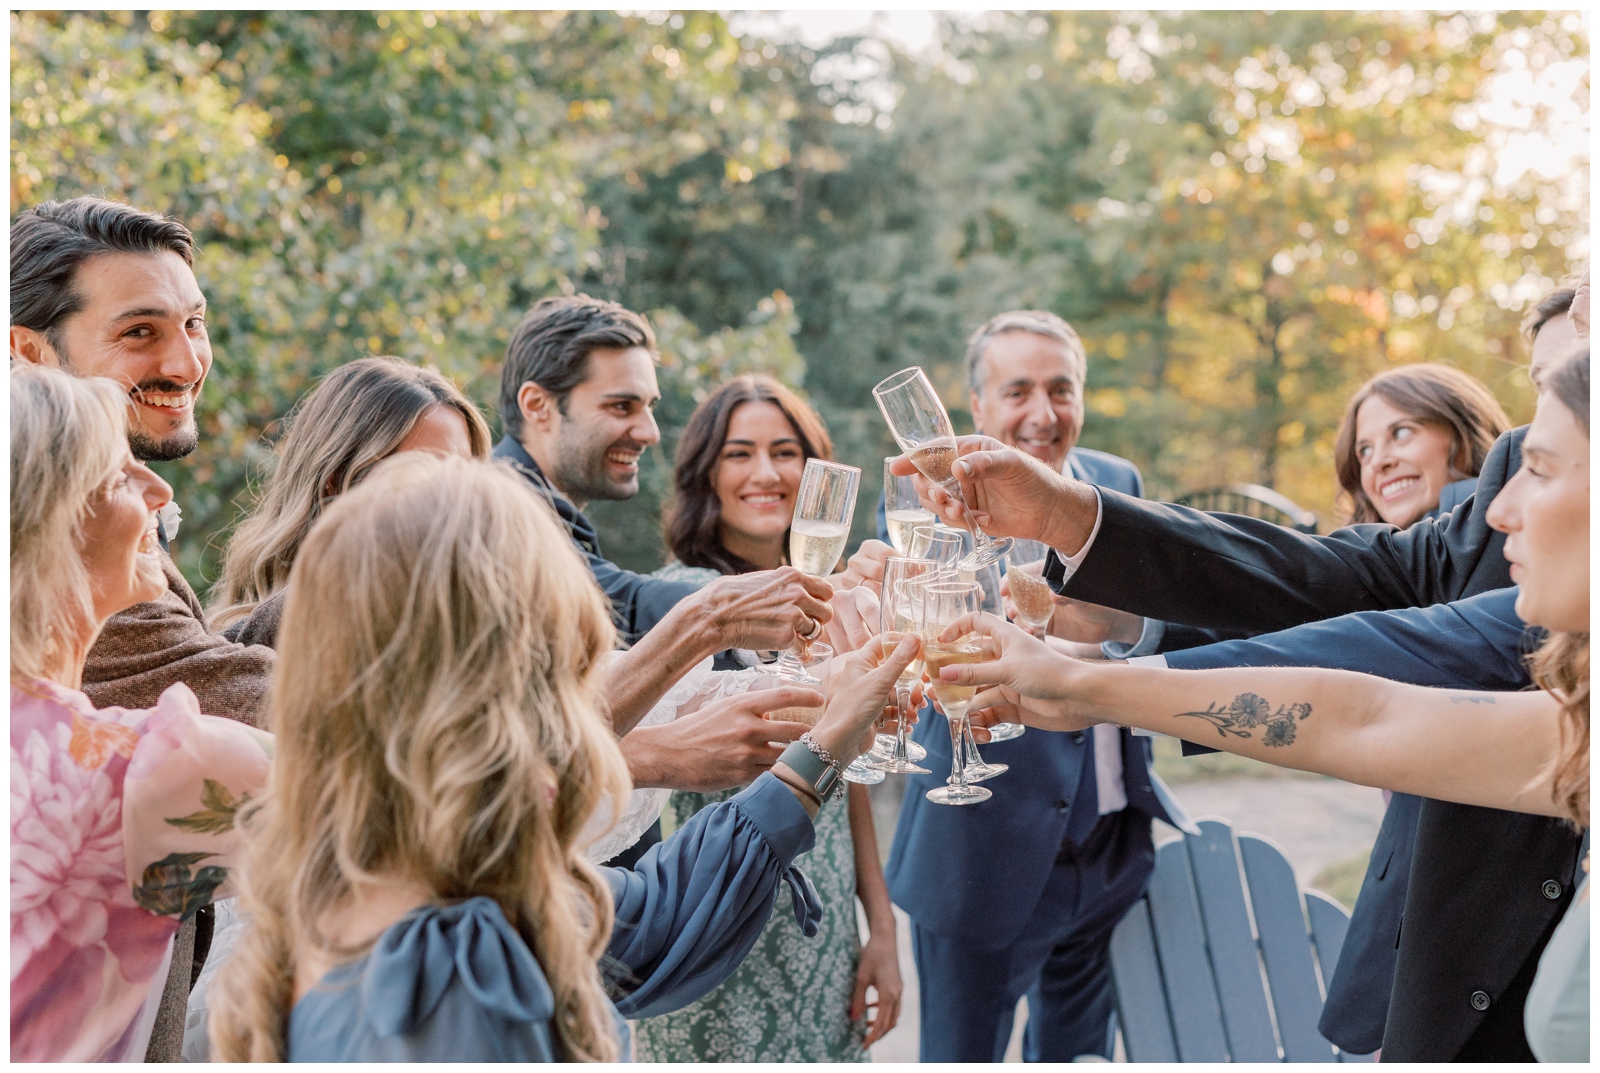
{"x": 823, "y": 777}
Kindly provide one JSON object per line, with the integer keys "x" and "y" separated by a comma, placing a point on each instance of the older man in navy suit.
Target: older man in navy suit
{"x": 1017, "y": 895}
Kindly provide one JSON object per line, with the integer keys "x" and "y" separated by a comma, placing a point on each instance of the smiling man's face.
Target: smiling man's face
{"x": 142, "y": 323}
{"x": 1032, "y": 397}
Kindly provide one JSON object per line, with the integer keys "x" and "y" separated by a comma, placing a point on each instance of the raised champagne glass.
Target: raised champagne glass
{"x": 902, "y": 510}
{"x": 824, "y": 508}
{"x": 987, "y": 579}
{"x": 922, "y": 428}
{"x": 945, "y": 603}
{"x": 900, "y": 611}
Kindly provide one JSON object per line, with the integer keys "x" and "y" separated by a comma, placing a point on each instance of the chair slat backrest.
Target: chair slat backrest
{"x": 1185, "y": 967}
{"x": 1217, "y": 963}
{"x": 1286, "y": 950}
{"x": 1245, "y": 1015}
{"x": 1329, "y": 922}
{"x": 1137, "y": 985}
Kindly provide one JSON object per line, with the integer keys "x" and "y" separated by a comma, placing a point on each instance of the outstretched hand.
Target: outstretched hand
{"x": 1023, "y": 680}
{"x": 1008, "y": 493}
{"x": 859, "y": 687}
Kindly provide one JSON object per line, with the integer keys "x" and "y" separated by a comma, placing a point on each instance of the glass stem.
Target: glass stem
{"x": 958, "y": 769}
{"x": 973, "y": 756}
{"x": 789, "y": 665}
{"x": 902, "y": 696}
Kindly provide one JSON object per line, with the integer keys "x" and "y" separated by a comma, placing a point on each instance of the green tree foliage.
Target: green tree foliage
{"x": 1245, "y": 214}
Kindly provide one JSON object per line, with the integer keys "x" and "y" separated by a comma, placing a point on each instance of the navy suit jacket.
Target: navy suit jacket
{"x": 1478, "y": 643}
{"x": 977, "y": 872}
{"x": 638, "y": 601}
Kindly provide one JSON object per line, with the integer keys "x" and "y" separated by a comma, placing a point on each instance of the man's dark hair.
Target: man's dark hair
{"x": 51, "y": 241}
{"x": 551, "y": 348}
{"x": 1547, "y": 309}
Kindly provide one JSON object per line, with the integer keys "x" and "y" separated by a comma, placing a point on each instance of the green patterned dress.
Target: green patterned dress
{"x": 790, "y": 1000}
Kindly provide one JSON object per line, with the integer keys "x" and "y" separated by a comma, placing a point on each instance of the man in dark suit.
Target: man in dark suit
{"x": 1487, "y": 887}
{"x": 1018, "y": 895}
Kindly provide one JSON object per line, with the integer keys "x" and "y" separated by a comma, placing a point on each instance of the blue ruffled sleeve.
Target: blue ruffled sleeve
{"x": 450, "y": 984}
{"x": 692, "y": 908}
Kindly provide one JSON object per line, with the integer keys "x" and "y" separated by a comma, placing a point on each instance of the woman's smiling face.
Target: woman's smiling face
{"x": 1405, "y": 462}
{"x": 118, "y": 540}
{"x": 758, "y": 472}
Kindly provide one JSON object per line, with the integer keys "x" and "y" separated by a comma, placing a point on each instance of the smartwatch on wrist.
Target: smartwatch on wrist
{"x": 821, "y": 775}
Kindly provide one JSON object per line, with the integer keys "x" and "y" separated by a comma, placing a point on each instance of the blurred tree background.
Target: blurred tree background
{"x": 1245, "y": 214}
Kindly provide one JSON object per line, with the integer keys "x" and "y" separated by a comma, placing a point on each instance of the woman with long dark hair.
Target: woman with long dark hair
{"x": 739, "y": 465}
{"x": 1412, "y": 441}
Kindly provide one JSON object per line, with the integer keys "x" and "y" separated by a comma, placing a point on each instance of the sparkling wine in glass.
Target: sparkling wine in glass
{"x": 922, "y": 428}
{"x": 903, "y": 511}
{"x": 946, "y": 602}
{"x": 904, "y": 586}
{"x": 824, "y": 508}
{"x": 978, "y": 769}
{"x": 1035, "y": 602}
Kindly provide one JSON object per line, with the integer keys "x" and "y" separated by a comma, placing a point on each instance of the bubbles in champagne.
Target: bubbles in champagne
{"x": 1031, "y": 593}
{"x": 935, "y": 460}
{"x": 938, "y": 655}
{"x": 815, "y": 547}
{"x": 901, "y": 522}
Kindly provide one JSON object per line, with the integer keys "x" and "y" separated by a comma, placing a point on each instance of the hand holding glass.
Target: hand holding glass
{"x": 945, "y": 604}
{"x": 922, "y": 428}
{"x": 824, "y": 508}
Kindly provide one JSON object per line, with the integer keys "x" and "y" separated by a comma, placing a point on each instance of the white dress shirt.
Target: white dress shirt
{"x": 1113, "y": 793}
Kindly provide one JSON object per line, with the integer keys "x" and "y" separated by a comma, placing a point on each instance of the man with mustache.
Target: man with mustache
{"x": 101, "y": 288}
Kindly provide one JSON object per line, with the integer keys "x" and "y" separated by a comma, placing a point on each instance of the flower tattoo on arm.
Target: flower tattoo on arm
{"x": 1246, "y": 712}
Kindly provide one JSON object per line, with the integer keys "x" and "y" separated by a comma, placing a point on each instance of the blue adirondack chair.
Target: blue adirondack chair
{"x": 1220, "y": 960}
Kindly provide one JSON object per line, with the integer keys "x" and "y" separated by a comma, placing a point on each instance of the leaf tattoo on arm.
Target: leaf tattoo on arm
{"x": 1246, "y": 712}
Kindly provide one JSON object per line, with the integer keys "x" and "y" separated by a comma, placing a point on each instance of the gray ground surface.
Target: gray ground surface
{"x": 1316, "y": 821}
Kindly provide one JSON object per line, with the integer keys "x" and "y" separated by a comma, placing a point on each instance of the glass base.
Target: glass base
{"x": 985, "y": 770}
{"x": 862, "y": 773}
{"x": 899, "y": 767}
{"x": 1006, "y": 731}
{"x": 883, "y": 748}
{"x": 978, "y": 558}
{"x": 959, "y": 795}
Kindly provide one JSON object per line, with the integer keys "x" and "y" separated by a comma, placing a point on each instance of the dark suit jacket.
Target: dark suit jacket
{"x": 1478, "y": 643}
{"x": 1477, "y": 915}
{"x": 977, "y": 872}
{"x": 638, "y": 601}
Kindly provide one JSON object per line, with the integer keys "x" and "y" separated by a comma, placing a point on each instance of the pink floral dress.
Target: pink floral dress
{"x": 122, "y": 825}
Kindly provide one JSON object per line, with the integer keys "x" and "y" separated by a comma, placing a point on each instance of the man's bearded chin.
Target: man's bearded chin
{"x": 147, "y": 448}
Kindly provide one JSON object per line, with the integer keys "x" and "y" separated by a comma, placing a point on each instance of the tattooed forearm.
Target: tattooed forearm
{"x": 1240, "y": 718}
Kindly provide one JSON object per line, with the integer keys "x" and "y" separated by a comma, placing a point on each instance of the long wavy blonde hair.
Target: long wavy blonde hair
{"x": 356, "y": 417}
{"x": 437, "y": 719}
{"x": 69, "y": 437}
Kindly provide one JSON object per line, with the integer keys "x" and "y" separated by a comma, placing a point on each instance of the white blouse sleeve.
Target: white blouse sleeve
{"x": 694, "y": 690}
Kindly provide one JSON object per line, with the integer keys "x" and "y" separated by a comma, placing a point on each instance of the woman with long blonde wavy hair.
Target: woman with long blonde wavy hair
{"x": 415, "y": 883}
{"x": 358, "y": 415}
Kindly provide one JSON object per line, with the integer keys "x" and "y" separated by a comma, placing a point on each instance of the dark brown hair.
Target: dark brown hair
{"x": 551, "y": 348}
{"x": 694, "y": 520}
{"x": 1561, "y": 666}
{"x": 1547, "y": 309}
{"x": 1435, "y": 395}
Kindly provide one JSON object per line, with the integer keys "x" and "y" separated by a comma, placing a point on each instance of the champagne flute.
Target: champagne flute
{"x": 939, "y": 543}
{"x": 902, "y": 510}
{"x": 824, "y": 508}
{"x": 922, "y": 429}
{"x": 944, "y": 603}
{"x": 1036, "y": 603}
{"x": 978, "y": 769}
{"x": 901, "y": 614}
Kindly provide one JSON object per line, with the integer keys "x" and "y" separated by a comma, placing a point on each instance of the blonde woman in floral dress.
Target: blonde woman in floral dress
{"x": 793, "y": 999}
{"x": 122, "y": 822}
